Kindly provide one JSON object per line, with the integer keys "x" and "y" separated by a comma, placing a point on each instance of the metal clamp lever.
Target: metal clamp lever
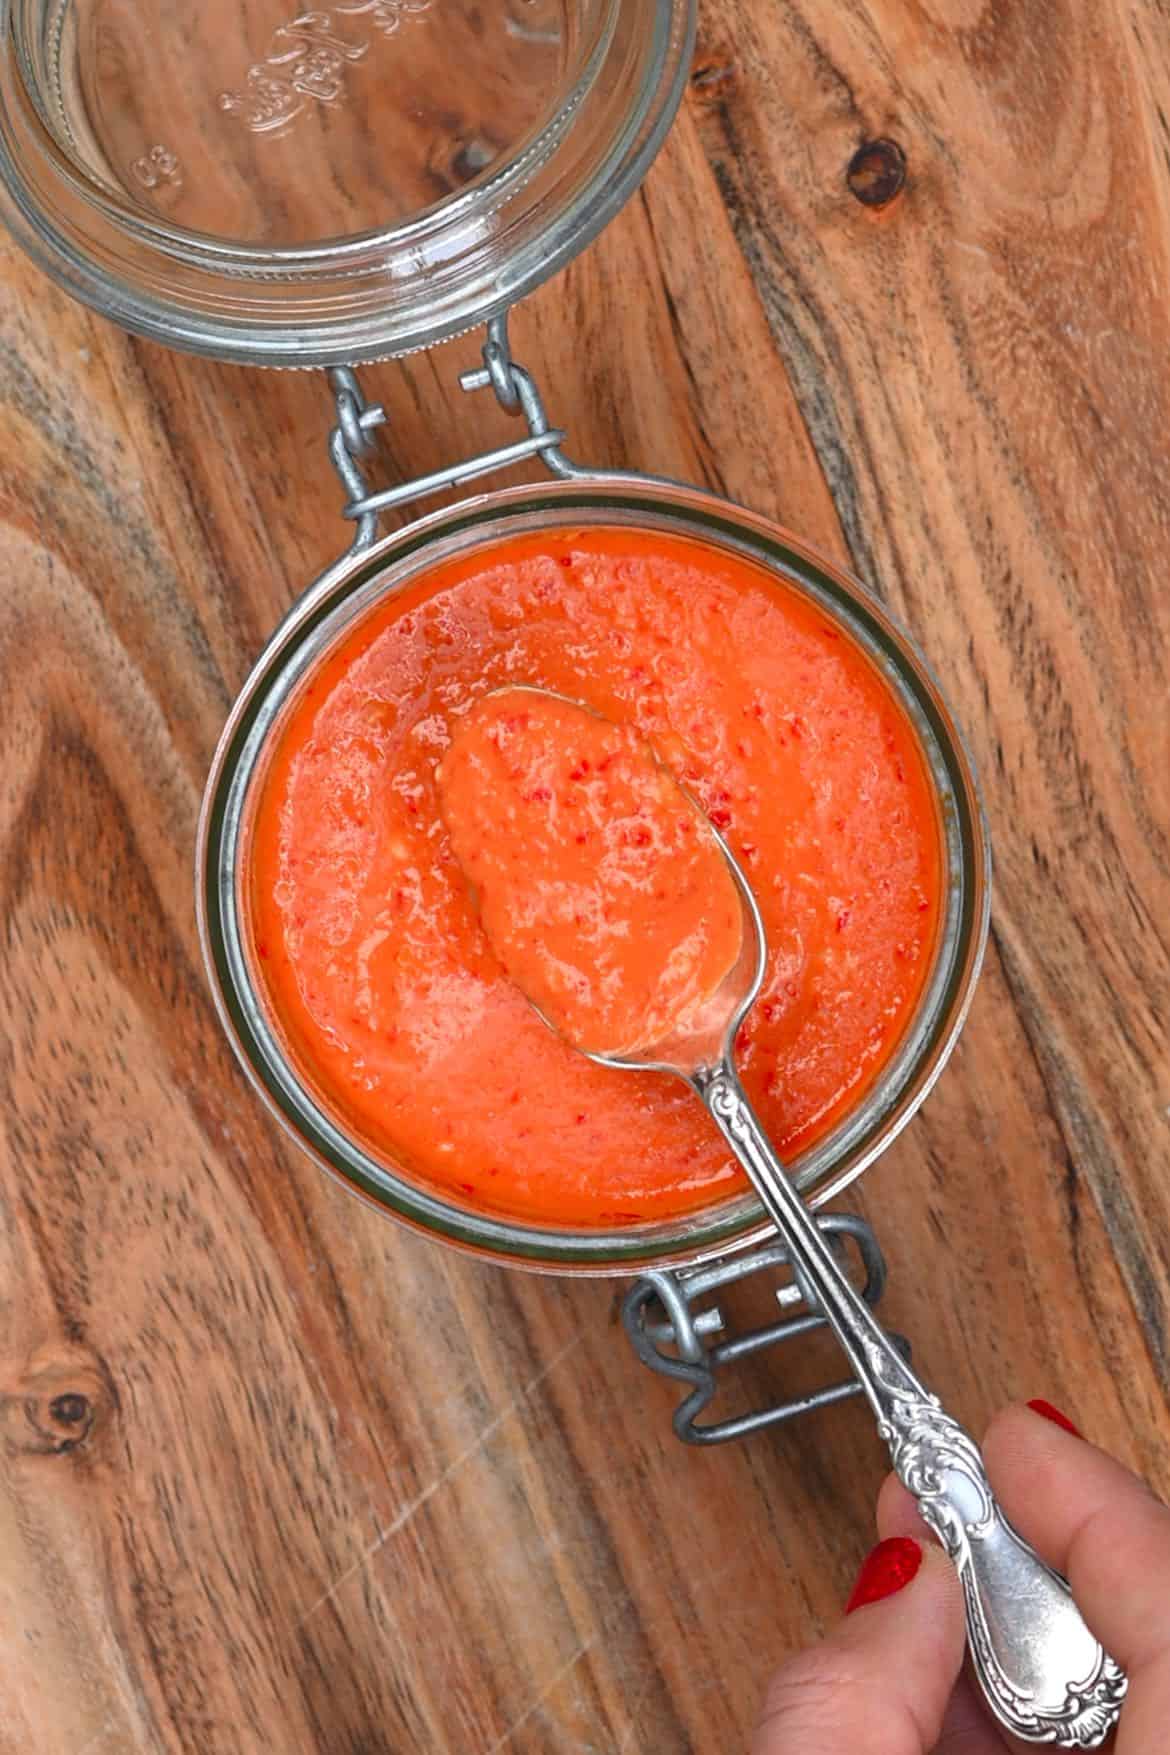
{"x": 693, "y": 1360}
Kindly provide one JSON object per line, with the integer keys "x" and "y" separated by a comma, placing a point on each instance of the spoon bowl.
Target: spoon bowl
{"x": 708, "y": 1038}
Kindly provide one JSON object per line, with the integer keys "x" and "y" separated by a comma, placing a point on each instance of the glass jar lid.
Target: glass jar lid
{"x": 255, "y": 184}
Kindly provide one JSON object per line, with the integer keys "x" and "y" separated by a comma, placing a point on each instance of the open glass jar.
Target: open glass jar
{"x": 337, "y": 185}
{"x": 334, "y": 186}
{"x": 294, "y": 659}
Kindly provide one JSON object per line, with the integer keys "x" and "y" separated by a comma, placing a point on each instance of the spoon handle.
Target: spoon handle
{"x": 1046, "y": 1677}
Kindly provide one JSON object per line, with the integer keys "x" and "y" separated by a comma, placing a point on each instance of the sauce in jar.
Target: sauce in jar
{"x": 394, "y": 1006}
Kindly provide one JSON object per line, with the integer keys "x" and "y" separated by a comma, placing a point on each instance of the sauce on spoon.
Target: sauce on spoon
{"x": 599, "y": 883}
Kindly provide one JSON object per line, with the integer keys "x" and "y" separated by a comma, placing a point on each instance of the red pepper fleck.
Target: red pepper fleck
{"x": 263, "y": 949}
{"x": 720, "y": 817}
{"x": 466, "y": 1187}
{"x": 843, "y": 919}
{"x": 538, "y": 795}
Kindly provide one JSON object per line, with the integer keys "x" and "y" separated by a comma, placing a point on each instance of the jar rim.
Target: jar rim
{"x": 374, "y": 293}
{"x": 348, "y": 591}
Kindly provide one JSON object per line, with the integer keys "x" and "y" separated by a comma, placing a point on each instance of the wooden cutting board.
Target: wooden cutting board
{"x": 278, "y": 1477}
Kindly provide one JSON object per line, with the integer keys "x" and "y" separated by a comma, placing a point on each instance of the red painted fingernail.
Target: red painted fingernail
{"x": 889, "y": 1568}
{"x": 1048, "y": 1412}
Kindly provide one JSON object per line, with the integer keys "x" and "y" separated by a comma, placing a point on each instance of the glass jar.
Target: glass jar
{"x": 289, "y": 664}
{"x": 323, "y": 188}
{"x": 245, "y": 182}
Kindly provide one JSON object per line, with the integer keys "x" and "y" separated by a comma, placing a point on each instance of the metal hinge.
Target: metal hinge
{"x": 351, "y": 442}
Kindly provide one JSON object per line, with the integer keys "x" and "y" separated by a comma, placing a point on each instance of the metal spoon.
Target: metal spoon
{"x": 1046, "y": 1677}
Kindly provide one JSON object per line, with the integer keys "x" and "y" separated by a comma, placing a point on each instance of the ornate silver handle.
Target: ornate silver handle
{"x": 1046, "y": 1677}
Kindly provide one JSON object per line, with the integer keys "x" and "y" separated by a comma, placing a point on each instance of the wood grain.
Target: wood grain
{"x": 276, "y": 1476}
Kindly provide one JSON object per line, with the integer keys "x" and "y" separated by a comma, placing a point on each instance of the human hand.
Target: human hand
{"x": 887, "y": 1680}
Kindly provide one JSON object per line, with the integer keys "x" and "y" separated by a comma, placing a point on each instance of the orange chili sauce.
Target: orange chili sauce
{"x": 392, "y": 1003}
{"x": 600, "y": 886}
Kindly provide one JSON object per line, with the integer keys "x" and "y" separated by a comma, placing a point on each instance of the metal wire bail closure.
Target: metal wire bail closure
{"x": 516, "y": 392}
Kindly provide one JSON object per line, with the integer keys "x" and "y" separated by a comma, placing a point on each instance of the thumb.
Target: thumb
{"x": 879, "y": 1684}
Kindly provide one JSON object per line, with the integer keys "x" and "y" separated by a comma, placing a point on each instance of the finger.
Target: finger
{"x": 1095, "y": 1521}
{"x": 881, "y": 1680}
{"x": 1102, "y": 1527}
{"x": 967, "y": 1727}
{"x": 898, "y": 1513}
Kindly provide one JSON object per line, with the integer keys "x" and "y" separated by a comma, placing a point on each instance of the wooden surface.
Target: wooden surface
{"x": 278, "y": 1477}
